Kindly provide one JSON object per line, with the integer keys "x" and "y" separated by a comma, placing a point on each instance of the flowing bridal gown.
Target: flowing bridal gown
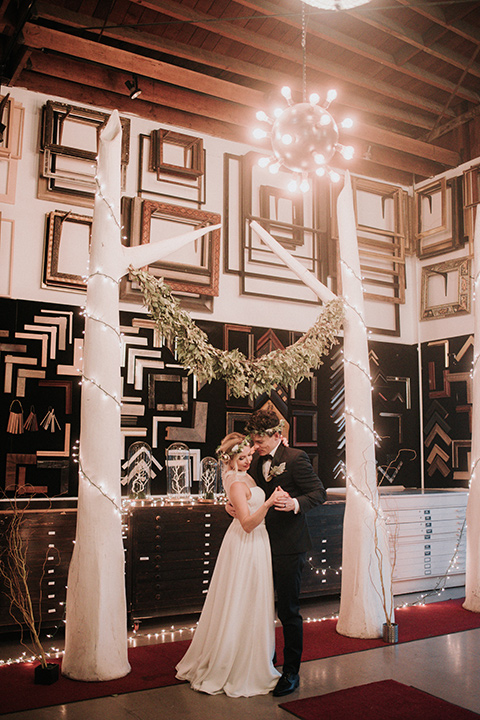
{"x": 233, "y": 645}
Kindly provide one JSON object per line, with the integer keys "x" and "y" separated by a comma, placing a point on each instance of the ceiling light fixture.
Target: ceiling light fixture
{"x": 336, "y": 4}
{"x": 132, "y": 86}
{"x": 304, "y": 135}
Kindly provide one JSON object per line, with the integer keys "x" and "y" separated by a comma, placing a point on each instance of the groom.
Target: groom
{"x": 275, "y": 464}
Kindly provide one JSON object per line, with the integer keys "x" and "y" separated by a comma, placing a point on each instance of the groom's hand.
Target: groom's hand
{"x": 230, "y": 509}
{"x": 284, "y": 502}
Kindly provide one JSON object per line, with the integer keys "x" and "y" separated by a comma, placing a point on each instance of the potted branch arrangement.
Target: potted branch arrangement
{"x": 14, "y": 574}
{"x": 389, "y": 628}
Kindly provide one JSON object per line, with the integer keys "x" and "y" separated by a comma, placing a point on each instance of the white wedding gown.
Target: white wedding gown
{"x": 233, "y": 645}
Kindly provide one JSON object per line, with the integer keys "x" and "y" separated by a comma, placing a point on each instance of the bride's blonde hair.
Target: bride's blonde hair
{"x": 231, "y": 446}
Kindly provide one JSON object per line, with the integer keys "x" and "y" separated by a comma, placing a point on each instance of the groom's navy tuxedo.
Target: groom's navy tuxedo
{"x": 289, "y": 539}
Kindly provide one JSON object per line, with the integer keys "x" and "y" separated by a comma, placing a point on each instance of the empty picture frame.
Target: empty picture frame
{"x": 69, "y": 141}
{"x": 253, "y": 193}
{"x": 176, "y": 154}
{"x": 471, "y": 198}
{"x": 12, "y": 117}
{"x": 439, "y": 217}
{"x": 194, "y": 269}
{"x": 172, "y": 170}
{"x": 67, "y": 245}
{"x": 446, "y": 289}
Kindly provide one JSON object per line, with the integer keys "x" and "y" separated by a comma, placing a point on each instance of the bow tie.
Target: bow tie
{"x": 264, "y": 458}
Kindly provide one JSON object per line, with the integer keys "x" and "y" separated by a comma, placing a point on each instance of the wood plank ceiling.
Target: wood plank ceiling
{"x": 406, "y": 71}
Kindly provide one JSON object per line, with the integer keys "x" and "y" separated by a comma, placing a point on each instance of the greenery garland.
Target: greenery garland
{"x": 244, "y": 376}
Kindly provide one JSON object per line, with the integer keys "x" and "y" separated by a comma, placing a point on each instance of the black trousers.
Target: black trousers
{"x": 287, "y": 575}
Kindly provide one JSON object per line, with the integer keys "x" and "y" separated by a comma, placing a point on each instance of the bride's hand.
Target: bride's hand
{"x": 275, "y": 497}
{"x": 283, "y": 501}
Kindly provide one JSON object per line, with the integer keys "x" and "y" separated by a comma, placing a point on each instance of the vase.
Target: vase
{"x": 47, "y": 674}
{"x": 390, "y": 632}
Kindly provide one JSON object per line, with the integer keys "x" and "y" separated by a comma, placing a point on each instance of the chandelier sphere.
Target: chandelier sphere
{"x": 304, "y": 137}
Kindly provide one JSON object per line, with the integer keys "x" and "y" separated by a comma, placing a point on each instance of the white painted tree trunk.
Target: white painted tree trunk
{"x": 472, "y": 582}
{"x": 96, "y": 638}
{"x": 96, "y": 622}
{"x": 366, "y": 598}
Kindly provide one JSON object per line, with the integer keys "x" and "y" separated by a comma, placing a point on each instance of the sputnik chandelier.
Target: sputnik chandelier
{"x": 304, "y": 135}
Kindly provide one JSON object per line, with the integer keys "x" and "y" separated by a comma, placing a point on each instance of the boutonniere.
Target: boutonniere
{"x": 276, "y": 470}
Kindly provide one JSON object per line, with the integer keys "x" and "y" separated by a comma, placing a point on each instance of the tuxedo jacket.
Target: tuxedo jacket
{"x": 288, "y": 531}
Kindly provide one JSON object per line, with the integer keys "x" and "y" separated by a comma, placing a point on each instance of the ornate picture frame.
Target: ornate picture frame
{"x": 446, "y": 289}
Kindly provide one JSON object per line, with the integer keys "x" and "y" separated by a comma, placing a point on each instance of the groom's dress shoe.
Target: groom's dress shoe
{"x": 286, "y": 684}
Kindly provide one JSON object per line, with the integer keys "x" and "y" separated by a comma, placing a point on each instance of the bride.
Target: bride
{"x": 234, "y": 643}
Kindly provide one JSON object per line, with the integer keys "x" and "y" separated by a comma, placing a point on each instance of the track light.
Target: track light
{"x": 132, "y": 86}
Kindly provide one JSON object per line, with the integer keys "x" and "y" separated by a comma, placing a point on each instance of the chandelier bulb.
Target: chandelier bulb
{"x": 347, "y": 123}
{"x": 287, "y": 139}
{"x": 263, "y": 117}
{"x": 275, "y": 168}
{"x": 319, "y": 158}
{"x": 320, "y": 171}
{"x": 277, "y": 112}
{"x": 314, "y": 98}
{"x": 331, "y": 95}
{"x": 334, "y": 176}
{"x": 263, "y": 162}
{"x": 292, "y": 185}
{"x": 287, "y": 93}
{"x": 347, "y": 151}
{"x": 259, "y": 134}
{"x": 326, "y": 119}
{"x": 305, "y": 185}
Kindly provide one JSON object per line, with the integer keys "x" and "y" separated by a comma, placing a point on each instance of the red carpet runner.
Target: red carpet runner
{"x": 154, "y": 665}
{"x": 384, "y": 700}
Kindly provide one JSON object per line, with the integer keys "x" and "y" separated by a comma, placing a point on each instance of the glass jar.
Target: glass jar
{"x": 208, "y": 478}
{"x": 139, "y": 470}
{"x": 179, "y": 471}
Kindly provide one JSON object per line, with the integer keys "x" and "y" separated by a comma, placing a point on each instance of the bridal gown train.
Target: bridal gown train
{"x": 233, "y": 645}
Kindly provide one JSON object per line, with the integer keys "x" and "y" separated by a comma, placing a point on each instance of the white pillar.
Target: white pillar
{"x": 472, "y": 583}
{"x": 366, "y": 597}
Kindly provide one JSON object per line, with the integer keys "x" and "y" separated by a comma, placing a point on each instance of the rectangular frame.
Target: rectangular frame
{"x": 182, "y": 278}
{"x": 55, "y": 227}
{"x": 76, "y": 187}
{"x": 450, "y": 230}
{"x": 461, "y": 304}
{"x": 163, "y": 183}
{"x": 247, "y": 187}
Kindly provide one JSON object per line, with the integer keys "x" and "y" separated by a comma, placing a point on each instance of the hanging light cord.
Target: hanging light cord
{"x": 304, "y": 48}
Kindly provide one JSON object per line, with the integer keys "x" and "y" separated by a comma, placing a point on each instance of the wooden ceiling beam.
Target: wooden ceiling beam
{"x": 410, "y": 37}
{"x": 386, "y": 143}
{"x": 153, "y": 91}
{"x": 251, "y": 71}
{"x": 436, "y": 15}
{"x": 103, "y": 98}
{"x": 265, "y": 44}
{"x": 45, "y": 38}
{"x": 323, "y": 32}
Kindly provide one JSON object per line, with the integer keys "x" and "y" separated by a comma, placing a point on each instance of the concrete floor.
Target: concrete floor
{"x": 447, "y": 666}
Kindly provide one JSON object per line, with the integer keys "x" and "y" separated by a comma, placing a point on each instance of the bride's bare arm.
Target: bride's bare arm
{"x": 239, "y": 495}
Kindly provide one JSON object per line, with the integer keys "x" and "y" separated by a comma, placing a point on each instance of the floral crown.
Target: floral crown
{"x": 271, "y": 431}
{"x": 226, "y": 455}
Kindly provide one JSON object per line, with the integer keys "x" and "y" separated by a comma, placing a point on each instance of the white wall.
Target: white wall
{"x": 29, "y": 213}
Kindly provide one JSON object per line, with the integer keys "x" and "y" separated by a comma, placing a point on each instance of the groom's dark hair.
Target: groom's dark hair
{"x": 261, "y": 421}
